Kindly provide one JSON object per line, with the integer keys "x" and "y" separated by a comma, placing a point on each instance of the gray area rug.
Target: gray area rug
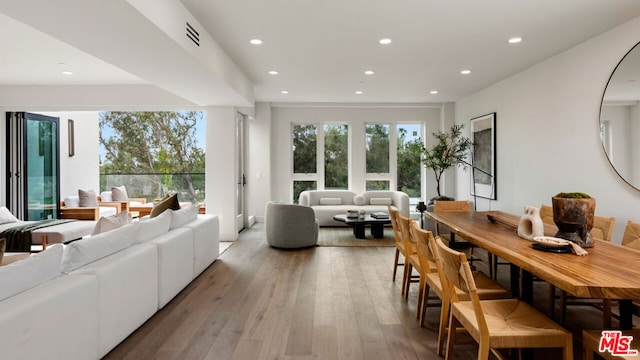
{"x": 343, "y": 236}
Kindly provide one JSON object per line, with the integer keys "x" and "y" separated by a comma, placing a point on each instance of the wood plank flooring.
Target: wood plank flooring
{"x": 256, "y": 302}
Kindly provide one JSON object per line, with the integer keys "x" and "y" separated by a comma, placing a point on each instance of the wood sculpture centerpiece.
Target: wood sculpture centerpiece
{"x": 573, "y": 214}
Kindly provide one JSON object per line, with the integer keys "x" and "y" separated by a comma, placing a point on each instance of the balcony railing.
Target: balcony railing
{"x": 151, "y": 186}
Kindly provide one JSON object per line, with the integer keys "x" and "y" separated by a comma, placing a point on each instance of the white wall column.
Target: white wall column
{"x": 258, "y": 166}
{"x": 220, "y": 168}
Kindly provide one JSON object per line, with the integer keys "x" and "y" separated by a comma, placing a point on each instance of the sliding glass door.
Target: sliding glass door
{"x": 33, "y": 160}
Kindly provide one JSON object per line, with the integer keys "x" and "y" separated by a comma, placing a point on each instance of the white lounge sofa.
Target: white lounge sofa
{"x": 80, "y": 301}
{"x": 328, "y": 203}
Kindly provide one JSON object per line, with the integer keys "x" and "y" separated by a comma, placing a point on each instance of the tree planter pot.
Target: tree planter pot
{"x": 574, "y": 219}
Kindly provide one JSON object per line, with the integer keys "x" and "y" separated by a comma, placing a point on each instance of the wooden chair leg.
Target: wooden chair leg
{"x": 442, "y": 328}
{"x": 606, "y": 313}
{"x": 567, "y": 352}
{"x": 483, "y": 350}
{"x": 421, "y": 297}
{"x": 395, "y": 264}
{"x": 451, "y": 338}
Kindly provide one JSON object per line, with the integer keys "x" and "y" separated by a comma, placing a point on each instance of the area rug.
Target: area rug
{"x": 343, "y": 236}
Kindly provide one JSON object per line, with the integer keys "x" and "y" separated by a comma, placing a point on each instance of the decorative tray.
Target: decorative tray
{"x": 551, "y": 244}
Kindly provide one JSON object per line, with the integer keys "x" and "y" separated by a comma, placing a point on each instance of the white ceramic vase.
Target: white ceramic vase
{"x": 530, "y": 224}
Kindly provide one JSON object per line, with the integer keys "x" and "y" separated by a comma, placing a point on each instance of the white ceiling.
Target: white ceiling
{"x": 322, "y": 48}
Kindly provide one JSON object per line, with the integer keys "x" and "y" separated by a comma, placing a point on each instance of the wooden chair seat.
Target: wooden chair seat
{"x": 511, "y": 323}
{"x": 494, "y": 324}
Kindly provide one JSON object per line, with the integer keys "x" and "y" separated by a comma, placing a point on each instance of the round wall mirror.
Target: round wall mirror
{"x": 620, "y": 118}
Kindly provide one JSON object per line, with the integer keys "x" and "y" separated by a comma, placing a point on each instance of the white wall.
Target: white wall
{"x": 220, "y": 169}
{"x": 258, "y": 166}
{"x": 548, "y": 130}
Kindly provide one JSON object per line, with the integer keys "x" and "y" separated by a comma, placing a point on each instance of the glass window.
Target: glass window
{"x": 300, "y": 186}
{"x": 304, "y": 149}
{"x": 377, "y": 185}
{"x": 336, "y": 156}
{"x": 377, "y": 143}
{"x": 409, "y": 166}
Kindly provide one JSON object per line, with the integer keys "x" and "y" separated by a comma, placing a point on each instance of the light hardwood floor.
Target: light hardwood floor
{"x": 256, "y": 302}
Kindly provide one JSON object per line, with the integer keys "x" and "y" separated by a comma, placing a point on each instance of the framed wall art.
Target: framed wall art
{"x": 483, "y": 156}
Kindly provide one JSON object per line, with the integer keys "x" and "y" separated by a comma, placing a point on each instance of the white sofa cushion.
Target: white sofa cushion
{"x": 380, "y": 201}
{"x": 127, "y": 292}
{"x": 108, "y": 223}
{"x": 88, "y": 250}
{"x": 107, "y": 211}
{"x": 206, "y": 241}
{"x": 183, "y": 216}
{"x": 30, "y": 272}
{"x": 6, "y": 216}
{"x": 175, "y": 263}
{"x": 106, "y": 196}
{"x": 55, "y": 320}
{"x": 330, "y": 201}
{"x": 151, "y": 228}
{"x": 72, "y": 201}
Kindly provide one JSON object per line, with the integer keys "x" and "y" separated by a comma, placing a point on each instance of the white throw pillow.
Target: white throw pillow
{"x": 28, "y": 273}
{"x": 106, "y": 196}
{"x": 151, "y": 228}
{"x": 72, "y": 201}
{"x": 85, "y": 251}
{"x": 184, "y": 215}
{"x": 330, "y": 201}
{"x": 359, "y": 200}
{"x": 380, "y": 201}
{"x": 108, "y": 223}
{"x": 6, "y": 216}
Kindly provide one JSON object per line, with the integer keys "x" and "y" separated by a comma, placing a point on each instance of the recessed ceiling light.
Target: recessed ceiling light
{"x": 284, "y": 92}
{"x": 256, "y": 41}
{"x": 67, "y": 73}
{"x": 359, "y": 92}
{"x": 465, "y": 72}
{"x": 369, "y": 72}
{"x": 273, "y": 72}
{"x": 515, "y": 40}
{"x": 385, "y": 41}
{"x": 433, "y": 92}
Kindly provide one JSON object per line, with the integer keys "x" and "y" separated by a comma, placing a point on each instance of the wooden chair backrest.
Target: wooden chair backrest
{"x": 603, "y": 227}
{"x": 452, "y": 206}
{"x": 421, "y": 238}
{"x": 393, "y": 216}
{"x": 631, "y": 237}
{"x": 546, "y": 214}
{"x": 457, "y": 273}
{"x": 404, "y": 223}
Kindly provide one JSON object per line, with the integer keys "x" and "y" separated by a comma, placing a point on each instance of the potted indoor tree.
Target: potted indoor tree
{"x": 573, "y": 213}
{"x": 450, "y": 150}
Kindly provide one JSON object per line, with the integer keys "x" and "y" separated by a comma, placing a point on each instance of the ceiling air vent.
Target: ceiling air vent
{"x": 193, "y": 35}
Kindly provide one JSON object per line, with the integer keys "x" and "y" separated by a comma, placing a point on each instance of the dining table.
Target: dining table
{"x": 608, "y": 271}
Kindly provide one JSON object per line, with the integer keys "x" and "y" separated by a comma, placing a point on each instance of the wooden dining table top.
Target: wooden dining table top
{"x": 609, "y": 271}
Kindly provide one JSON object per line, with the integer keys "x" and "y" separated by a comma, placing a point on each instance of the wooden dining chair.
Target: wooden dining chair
{"x": 399, "y": 242}
{"x": 631, "y": 236}
{"x": 487, "y": 288}
{"x": 411, "y": 260}
{"x": 455, "y": 206}
{"x": 494, "y": 324}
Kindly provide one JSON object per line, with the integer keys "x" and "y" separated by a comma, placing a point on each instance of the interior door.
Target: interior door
{"x": 240, "y": 176}
{"x": 33, "y": 161}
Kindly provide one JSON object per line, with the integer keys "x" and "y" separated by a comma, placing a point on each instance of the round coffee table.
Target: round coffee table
{"x": 359, "y": 224}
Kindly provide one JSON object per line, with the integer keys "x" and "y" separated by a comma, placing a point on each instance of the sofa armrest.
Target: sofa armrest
{"x": 119, "y": 205}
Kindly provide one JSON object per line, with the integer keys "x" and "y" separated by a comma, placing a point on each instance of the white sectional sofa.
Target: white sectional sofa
{"x": 328, "y": 203}
{"x": 81, "y": 300}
